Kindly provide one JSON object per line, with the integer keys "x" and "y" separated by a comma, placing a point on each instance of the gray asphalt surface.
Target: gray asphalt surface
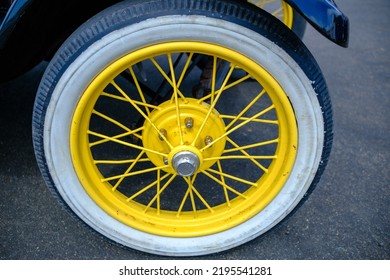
{"x": 346, "y": 217}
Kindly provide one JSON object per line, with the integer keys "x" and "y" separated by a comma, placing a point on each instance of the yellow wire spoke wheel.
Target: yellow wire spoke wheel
{"x": 182, "y": 128}
{"x": 168, "y": 182}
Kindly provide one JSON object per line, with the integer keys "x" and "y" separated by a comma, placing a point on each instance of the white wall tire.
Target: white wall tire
{"x": 79, "y": 61}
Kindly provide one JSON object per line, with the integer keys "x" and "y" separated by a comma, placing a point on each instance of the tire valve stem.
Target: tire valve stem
{"x": 208, "y": 140}
{"x": 189, "y": 122}
{"x": 164, "y": 133}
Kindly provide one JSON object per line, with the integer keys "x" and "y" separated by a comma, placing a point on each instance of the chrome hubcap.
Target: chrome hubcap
{"x": 185, "y": 163}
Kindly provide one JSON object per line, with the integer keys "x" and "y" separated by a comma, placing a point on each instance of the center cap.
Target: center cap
{"x": 185, "y": 163}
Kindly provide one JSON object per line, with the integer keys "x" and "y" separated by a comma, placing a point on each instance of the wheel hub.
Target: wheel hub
{"x": 186, "y": 140}
{"x": 185, "y": 163}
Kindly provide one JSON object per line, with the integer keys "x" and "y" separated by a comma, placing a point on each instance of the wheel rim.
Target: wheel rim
{"x": 142, "y": 186}
{"x": 278, "y": 9}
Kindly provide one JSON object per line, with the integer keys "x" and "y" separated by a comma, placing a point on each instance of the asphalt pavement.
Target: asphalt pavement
{"x": 346, "y": 217}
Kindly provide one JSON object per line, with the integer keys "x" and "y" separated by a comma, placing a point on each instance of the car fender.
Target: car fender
{"x": 33, "y": 30}
{"x": 326, "y": 17}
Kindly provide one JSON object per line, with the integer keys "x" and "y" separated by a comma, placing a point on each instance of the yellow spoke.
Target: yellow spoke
{"x": 158, "y": 190}
{"x": 246, "y": 109}
{"x": 151, "y": 185}
{"x": 213, "y": 78}
{"x": 119, "y": 162}
{"x": 239, "y": 157}
{"x": 224, "y": 185}
{"x": 261, "y": 3}
{"x": 252, "y": 146}
{"x": 103, "y": 116}
{"x": 146, "y": 105}
{"x": 141, "y": 94}
{"x": 175, "y": 89}
{"x": 125, "y": 143}
{"x": 159, "y": 193}
{"x": 167, "y": 78}
{"x": 231, "y": 177}
{"x": 238, "y": 126}
{"x": 243, "y": 79}
{"x": 244, "y": 119}
{"x": 134, "y": 173}
{"x": 203, "y": 200}
{"x": 191, "y": 192}
{"x": 189, "y": 60}
{"x": 246, "y": 154}
{"x": 198, "y": 195}
{"x": 142, "y": 114}
{"x": 213, "y": 104}
{"x": 117, "y": 137}
{"x": 278, "y": 13}
{"x": 183, "y": 201}
{"x": 128, "y": 171}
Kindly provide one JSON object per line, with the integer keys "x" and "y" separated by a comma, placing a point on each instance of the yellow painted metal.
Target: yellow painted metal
{"x": 182, "y": 137}
{"x": 277, "y": 8}
{"x": 152, "y": 216}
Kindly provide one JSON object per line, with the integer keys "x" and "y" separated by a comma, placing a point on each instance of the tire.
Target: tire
{"x": 123, "y": 144}
{"x": 284, "y": 13}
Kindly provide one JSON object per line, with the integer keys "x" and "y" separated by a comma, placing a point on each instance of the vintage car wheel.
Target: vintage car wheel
{"x": 121, "y": 140}
{"x": 282, "y": 11}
